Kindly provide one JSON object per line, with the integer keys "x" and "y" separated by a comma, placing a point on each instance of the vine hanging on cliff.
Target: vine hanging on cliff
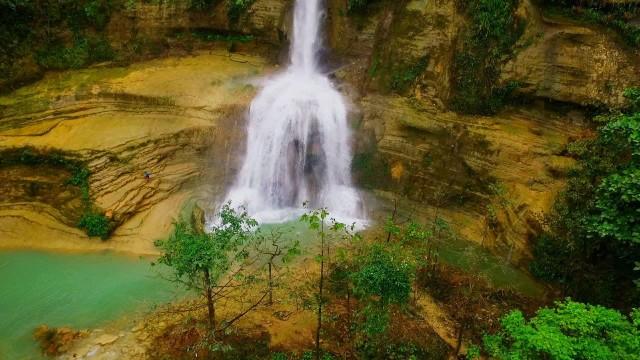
{"x": 487, "y": 43}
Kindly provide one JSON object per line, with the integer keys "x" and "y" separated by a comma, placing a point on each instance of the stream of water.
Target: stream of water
{"x": 298, "y": 147}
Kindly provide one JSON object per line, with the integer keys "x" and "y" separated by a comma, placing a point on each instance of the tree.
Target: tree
{"x": 319, "y": 221}
{"x": 201, "y": 261}
{"x": 316, "y": 221}
{"x": 277, "y": 244}
{"x": 383, "y": 278}
{"x": 568, "y": 331}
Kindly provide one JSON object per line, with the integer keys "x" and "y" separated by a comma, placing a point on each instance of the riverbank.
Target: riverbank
{"x": 79, "y": 291}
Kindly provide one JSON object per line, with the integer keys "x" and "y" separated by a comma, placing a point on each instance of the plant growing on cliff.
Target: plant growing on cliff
{"x": 570, "y": 330}
{"x": 95, "y": 223}
{"x": 209, "y": 262}
{"x": 238, "y": 7}
{"x": 493, "y": 30}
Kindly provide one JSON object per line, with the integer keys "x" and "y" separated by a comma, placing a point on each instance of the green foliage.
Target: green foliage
{"x": 57, "y": 56}
{"x": 633, "y": 95}
{"x": 592, "y": 235}
{"x": 493, "y": 31}
{"x": 473, "y": 352}
{"x": 383, "y": 277}
{"x": 191, "y": 254}
{"x": 95, "y": 224}
{"x": 238, "y": 7}
{"x": 279, "y": 356}
{"x": 209, "y": 36}
{"x": 569, "y": 331}
{"x": 618, "y": 207}
{"x": 200, "y": 4}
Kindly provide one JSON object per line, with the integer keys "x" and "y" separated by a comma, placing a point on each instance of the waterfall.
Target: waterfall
{"x": 298, "y": 146}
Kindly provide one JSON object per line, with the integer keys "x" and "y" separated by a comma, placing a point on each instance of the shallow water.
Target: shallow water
{"x": 75, "y": 290}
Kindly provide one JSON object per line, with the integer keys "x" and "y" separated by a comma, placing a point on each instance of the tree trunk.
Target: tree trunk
{"x": 319, "y": 328}
{"x": 393, "y": 218}
{"x": 210, "y": 305}
{"x": 459, "y": 344}
{"x": 270, "y": 286}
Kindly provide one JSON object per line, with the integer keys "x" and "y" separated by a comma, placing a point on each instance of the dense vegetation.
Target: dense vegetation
{"x": 57, "y": 35}
{"x": 593, "y": 235}
{"x": 569, "y": 331}
{"x": 92, "y": 219}
{"x": 487, "y": 44}
{"x": 598, "y": 12}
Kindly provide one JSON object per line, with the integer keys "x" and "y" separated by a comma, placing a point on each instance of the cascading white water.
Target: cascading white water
{"x": 298, "y": 138}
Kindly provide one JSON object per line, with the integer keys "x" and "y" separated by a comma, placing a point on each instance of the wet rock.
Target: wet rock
{"x": 106, "y": 339}
{"x": 56, "y": 341}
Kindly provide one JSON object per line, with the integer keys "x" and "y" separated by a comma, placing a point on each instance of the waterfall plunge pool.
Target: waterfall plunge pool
{"x": 83, "y": 290}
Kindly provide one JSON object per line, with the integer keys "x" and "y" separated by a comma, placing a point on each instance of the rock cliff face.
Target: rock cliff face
{"x": 572, "y": 63}
{"x": 176, "y": 119}
{"x": 265, "y": 19}
{"x": 493, "y": 177}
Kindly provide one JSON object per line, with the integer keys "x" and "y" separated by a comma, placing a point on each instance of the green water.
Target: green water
{"x": 75, "y": 290}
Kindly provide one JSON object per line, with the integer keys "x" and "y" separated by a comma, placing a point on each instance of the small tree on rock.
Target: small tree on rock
{"x": 202, "y": 261}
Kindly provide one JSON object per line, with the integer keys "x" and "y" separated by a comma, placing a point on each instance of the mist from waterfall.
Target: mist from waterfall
{"x": 298, "y": 147}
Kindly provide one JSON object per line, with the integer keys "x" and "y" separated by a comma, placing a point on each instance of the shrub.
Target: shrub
{"x": 95, "y": 224}
{"x": 570, "y": 330}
